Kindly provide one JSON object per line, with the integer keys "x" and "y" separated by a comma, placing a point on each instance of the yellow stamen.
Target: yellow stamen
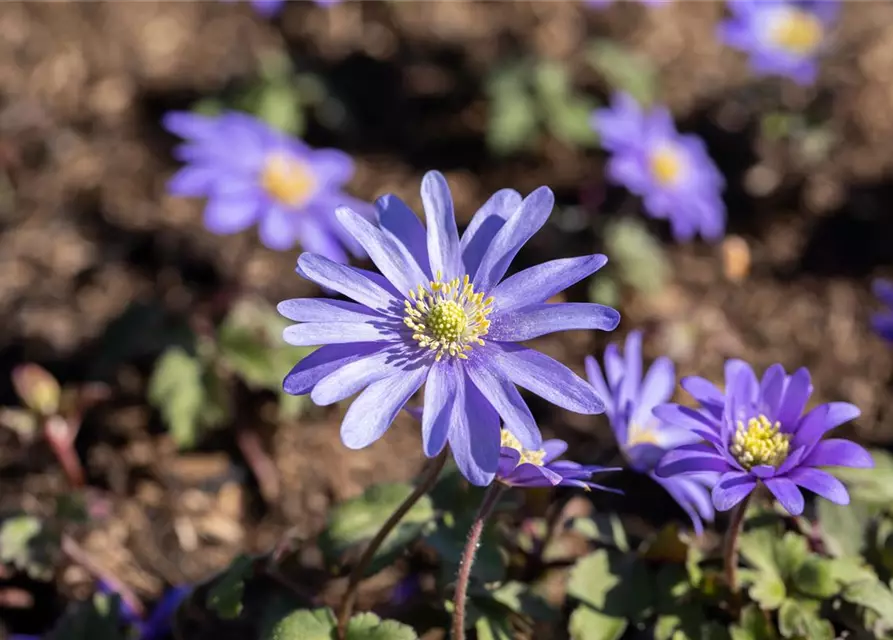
{"x": 528, "y": 456}
{"x": 287, "y": 179}
{"x": 666, "y": 165}
{"x": 638, "y": 434}
{"x": 448, "y": 318}
{"x": 797, "y": 31}
{"x": 759, "y": 442}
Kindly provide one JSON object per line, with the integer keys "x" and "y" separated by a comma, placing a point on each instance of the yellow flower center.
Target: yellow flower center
{"x": 447, "y": 317}
{"x": 797, "y": 31}
{"x": 638, "y": 434}
{"x": 528, "y": 456}
{"x": 666, "y": 165}
{"x": 287, "y": 179}
{"x": 759, "y": 442}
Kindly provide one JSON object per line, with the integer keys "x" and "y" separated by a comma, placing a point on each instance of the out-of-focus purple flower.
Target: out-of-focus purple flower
{"x": 520, "y": 467}
{"x": 783, "y": 37}
{"x": 425, "y": 319}
{"x": 756, "y": 432}
{"x": 599, "y": 4}
{"x": 673, "y": 173}
{"x": 267, "y": 8}
{"x": 643, "y": 438}
{"x": 883, "y": 321}
{"x": 252, "y": 174}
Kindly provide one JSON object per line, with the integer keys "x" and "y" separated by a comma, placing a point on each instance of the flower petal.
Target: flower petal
{"x": 689, "y": 459}
{"x": 370, "y": 415}
{"x": 226, "y": 215}
{"x": 443, "y": 237}
{"x": 277, "y": 228}
{"x": 345, "y": 280}
{"x": 475, "y": 446}
{"x": 632, "y": 369}
{"x": 731, "y": 489}
{"x": 399, "y": 222}
{"x": 821, "y": 420}
{"x": 507, "y": 401}
{"x": 192, "y": 181}
{"x": 797, "y": 392}
{"x": 598, "y": 382}
{"x": 543, "y": 376}
{"x": 837, "y": 452}
{"x": 787, "y": 494}
{"x": 554, "y": 449}
{"x": 691, "y": 496}
{"x": 657, "y": 388}
{"x": 531, "y": 475}
{"x": 508, "y": 460}
{"x": 316, "y": 366}
{"x": 310, "y": 334}
{"x": 324, "y": 310}
{"x": 542, "y": 319}
{"x": 442, "y": 399}
{"x": 541, "y": 282}
{"x": 705, "y": 392}
{"x": 691, "y": 419}
{"x": 526, "y": 221}
{"x": 484, "y": 226}
{"x": 883, "y": 289}
{"x": 771, "y": 389}
{"x": 821, "y": 483}
{"x": 356, "y": 376}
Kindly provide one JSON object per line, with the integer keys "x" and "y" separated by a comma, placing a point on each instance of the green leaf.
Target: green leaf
{"x": 225, "y": 596}
{"x": 843, "y": 527}
{"x": 625, "y": 70}
{"x": 815, "y": 578}
{"x": 615, "y": 584}
{"x": 279, "y": 105}
{"x": 800, "y": 619}
{"x": 754, "y": 625}
{"x": 448, "y": 540}
{"x": 177, "y": 390}
{"x": 588, "y": 624}
{"x": 638, "y": 257}
{"x": 871, "y": 594}
{"x": 368, "y": 626}
{"x": 603, "y": 529}
{"x": 304, "y": 624}
{"x": 513, "y": 118}
{"x": 360, "y": 518}
{"x": 94, "y": 619}
{"x": 495, "y": 611}
{"x": 791, "y": 552}
{"x": 26, "y": 545}
{"x": 872, "y": 486}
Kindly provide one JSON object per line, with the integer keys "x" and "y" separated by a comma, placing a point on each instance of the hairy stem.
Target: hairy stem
{"x": 359, "y": 570}
{"x": 730, "y": 547}
{"x": 468, "y": 554}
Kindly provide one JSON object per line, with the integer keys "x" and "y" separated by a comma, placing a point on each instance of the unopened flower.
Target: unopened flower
{"x": 672, "y": 172}
{"x": 783, "y": 37}
{"x": 883, "y": 321}
{"x": 253, "y": 174}
{"x": 442, "y": 315}
{"x": 520, "y": 467}
{"x": 642, "y": 437}
{"x": 756, "y": 432}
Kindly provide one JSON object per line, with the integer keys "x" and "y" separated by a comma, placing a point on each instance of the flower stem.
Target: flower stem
{"x": 730, "y": 547}
{"x": 471, "y": 546}
{"x": 356, "y": 575}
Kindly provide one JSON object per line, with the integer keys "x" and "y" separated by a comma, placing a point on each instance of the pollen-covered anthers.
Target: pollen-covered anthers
{"x": 287, "y": 179}
{"x": 759, "y": 442}
{"x": 641, "y": 434}
{"x": 448, "y": 317}
{"x": 798, "y": 31}
{"x": 667, "y": 164}
{"x": 528, "y": 456}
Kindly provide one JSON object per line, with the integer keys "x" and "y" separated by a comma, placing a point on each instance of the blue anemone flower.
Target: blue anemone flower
{"x": 642, "y": 437}
{"x": 756, "y": 433}
{"x": 442, "y": 315}
{"x": 253, "y": 174}
{"x": 783, "y": 37}
{"x": 520, "y": 467}
{"x": 672, "y": 173}
{"x": 883, "y": 321}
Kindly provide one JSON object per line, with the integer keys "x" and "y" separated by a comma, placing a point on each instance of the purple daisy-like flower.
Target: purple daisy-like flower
{"x": 782, "y": 37}
{"x": 425, "y": 319}
{"x": 883, "y": 321}
{"x": 599, "y": 4}
{"x": 643, "y": 438}
{"x": 756, "y": 432}
{"x": 253, "y": 174}
{"x": 673, "y": 173}
{"x": 520, "y": 467}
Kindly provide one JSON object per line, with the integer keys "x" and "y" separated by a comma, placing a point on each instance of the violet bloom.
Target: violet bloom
{"x": 600, "y": 4}
{"x": 783, "y": 37}
{"x": 253, "y": 174}
{"x": 883, "y": 321}
{"x": 520, "y": 467}
{"x": 643, "y": 439}
{"x": 673, "y": 173}
{"x": 424, "y": 322}
{"x": 756, "y": 432}
{"x": 268, "y": 8}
